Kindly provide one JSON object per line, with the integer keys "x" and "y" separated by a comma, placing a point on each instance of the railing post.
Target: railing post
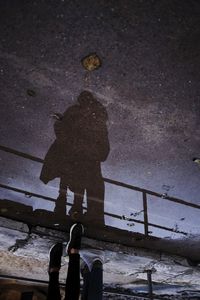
{"x": 146, "y": 231}
{"x": 149, "y": 280}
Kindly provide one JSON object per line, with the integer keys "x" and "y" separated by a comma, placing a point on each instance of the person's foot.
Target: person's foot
{"x": 55, "y": 255}
{"x": 74, "y": 243}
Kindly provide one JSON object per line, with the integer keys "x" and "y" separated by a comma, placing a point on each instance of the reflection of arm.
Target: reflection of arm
{"x": 61, "y": 130}
{"x": 63, "y": 126}
{"x": 103, "y": 145}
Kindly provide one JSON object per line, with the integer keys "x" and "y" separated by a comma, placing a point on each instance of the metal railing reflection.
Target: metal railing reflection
{"x": 144, "y": 192}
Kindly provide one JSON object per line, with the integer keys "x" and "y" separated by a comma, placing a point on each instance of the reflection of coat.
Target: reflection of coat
{"x": 81, "y": 144}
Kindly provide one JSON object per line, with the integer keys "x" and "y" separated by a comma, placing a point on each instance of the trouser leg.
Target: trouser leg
{"x": 77, "y": 208}
{"x": 95, "y": 200}
{"x": 60, "y": 206}
{"x": 53, "y": 288}
{"x": 72, "y": 288}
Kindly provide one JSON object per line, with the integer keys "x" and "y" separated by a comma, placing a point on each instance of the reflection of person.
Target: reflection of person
{"x": 81, "y": 145}
{"x": 92, "y": 270}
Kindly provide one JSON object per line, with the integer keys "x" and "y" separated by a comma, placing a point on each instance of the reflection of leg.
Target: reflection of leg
{"x": 54, "y": 267}
{"x": 60, "y": 207}
{"x": 77, "y": 208}
{"x": 95, "y": 200}
{"x": 93, "y": 282}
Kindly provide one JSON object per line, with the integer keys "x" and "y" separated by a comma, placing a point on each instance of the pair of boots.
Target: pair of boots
{"x": 95, "y": 213}
{"x": 91, "y": 269}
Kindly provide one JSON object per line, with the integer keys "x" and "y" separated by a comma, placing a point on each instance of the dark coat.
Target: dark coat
{"x": 81, "y": 144}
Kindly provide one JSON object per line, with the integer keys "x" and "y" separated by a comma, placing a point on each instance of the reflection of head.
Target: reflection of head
{"x": 86, "y": 98}
{"x": 88, "y": 102}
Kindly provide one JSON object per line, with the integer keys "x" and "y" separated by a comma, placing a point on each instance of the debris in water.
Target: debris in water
{"x": 31, "y": 93}
{"x": 56, "y": 116}
{"x": 196, "y": 160}
{"x": 164, "y": 195}
{"x": 91, "y": 62}
{"x": 137, "y": 213}
{"x": 166, "y": 187}
{"x": 130, "y": 224}
{"x": 27, "y": 195}
{"x": 175, "y": 229}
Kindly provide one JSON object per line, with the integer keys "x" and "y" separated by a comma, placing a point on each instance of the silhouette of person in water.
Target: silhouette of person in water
{"x": 75, "y": 156}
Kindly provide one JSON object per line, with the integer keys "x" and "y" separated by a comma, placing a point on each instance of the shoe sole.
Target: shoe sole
{"x": 70, "y": 235}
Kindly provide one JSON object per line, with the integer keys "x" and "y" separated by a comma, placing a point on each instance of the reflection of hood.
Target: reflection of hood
{"x": 90, "y": 105}
{"x": 86, "y": 98}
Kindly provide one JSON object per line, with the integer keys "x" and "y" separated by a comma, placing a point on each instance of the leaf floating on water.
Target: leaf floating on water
{"x": 91, "y": 62}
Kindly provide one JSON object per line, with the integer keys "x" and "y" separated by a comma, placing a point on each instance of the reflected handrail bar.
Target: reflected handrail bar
{"x": 44, "y": 282}
{"x": 111, "y": 181}
{"x": 105, "y": 213}
{"x": 22, "y": 154}
{"x": 131, "y": 187}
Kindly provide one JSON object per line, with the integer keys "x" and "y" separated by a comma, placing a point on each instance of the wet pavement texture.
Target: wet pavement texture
{"x": 141, "y": 61}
